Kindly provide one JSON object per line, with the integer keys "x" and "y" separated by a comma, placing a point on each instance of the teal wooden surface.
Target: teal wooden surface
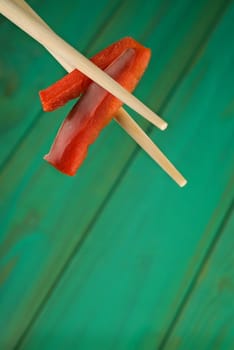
{"x": 208, "y": 316}
{"x": 108, "y": 262}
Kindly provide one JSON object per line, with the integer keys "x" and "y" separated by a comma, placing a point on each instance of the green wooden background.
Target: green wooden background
{"x": 119, "y": 257}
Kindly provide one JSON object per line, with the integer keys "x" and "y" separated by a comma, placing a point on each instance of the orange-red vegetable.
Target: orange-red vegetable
{"x": 96, "y": 107}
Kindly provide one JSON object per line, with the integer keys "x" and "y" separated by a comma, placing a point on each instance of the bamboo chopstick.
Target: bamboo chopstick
{"x": 143, "y": 140}
{"x": 48, "y": 38}
{"x": 122, "y": 117}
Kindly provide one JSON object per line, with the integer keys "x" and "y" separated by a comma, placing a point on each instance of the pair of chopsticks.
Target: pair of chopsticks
{"x": 20, "y": 13}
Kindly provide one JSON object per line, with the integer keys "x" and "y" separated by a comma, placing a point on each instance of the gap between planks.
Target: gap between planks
{"x": 192, "y": 287}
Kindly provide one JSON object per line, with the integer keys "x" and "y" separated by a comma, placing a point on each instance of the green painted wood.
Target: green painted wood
{"x": 126, "y": 282}
{"x": 207, "y": 320}
{"x": 32, "y": 211}
{"x": 44, "y": 229}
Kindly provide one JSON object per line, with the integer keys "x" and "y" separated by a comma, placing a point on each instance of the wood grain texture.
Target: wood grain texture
{"x": 207, "y": 321}
{"x": 47, "y": 218}
{"x": 127, "y": 280}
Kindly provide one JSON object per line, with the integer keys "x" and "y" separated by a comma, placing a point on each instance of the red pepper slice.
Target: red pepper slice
{"x": 75, "y": 83}
{"x": 94, "y": 111}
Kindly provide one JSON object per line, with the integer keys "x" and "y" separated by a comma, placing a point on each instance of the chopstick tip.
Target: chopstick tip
{"x": 164, "y": 125}
{"x": 183, "y": 182}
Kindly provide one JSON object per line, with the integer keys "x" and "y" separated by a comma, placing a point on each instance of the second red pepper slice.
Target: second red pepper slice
{"x": 75, "y": 83}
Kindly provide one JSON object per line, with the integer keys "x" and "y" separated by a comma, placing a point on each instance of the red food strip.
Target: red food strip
{"x": 75, "y": 83}
{"x": 94, "y": 111}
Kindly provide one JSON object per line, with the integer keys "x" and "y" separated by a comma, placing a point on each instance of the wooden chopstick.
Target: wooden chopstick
{"x": 48, "y": 38}
{"x": 24, "y": 5}
{"x": 122, "y": 117}
{"x": 143, "y": 140}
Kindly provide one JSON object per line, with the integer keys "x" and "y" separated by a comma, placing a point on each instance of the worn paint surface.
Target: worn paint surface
{"x": 118, "y": 257}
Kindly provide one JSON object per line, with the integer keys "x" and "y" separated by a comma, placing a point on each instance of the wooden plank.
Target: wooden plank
{"x": 126, "y": 281}
{"x": 37, "y": 199}
{"x": 206, "y": 321}
{"x": 26, "y": 67}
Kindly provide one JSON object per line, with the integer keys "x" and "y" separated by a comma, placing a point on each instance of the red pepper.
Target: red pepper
{"x": 95, "y": 109}
{"x": 75, "y": 83}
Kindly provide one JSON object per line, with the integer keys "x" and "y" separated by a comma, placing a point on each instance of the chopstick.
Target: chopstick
{"x": 122, "y": 117}
{"x": 143, "y": 140}
{"x": 48, "y": 38}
